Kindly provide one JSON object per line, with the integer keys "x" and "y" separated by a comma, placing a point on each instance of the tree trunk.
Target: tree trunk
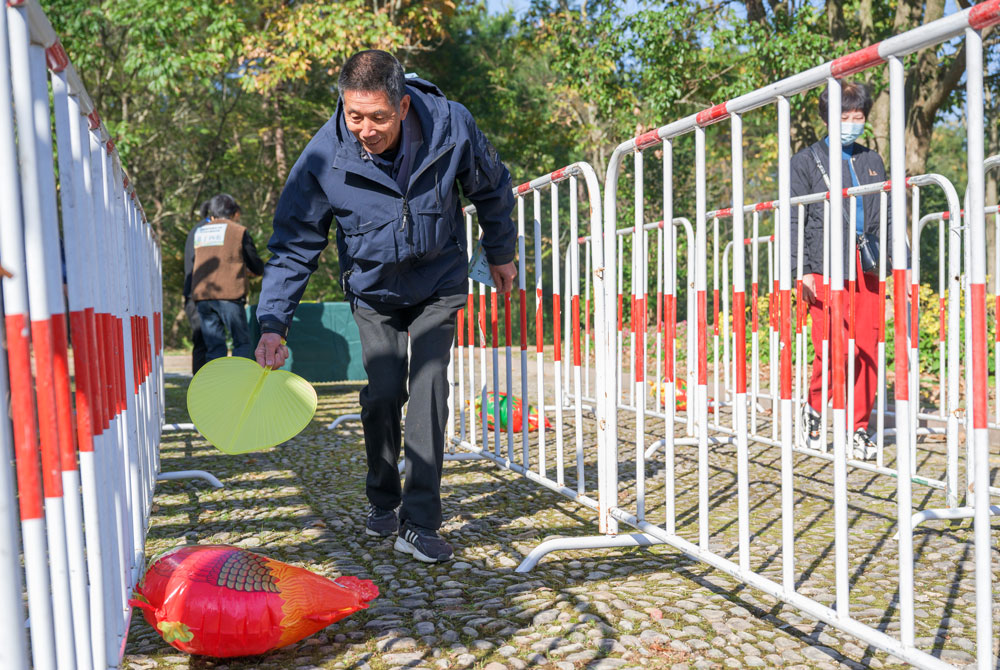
{"x": 867, "y": 23}
{"x": 835, "y": 25}
{"x": 992, "y": 143}
{"x": 929, "y": 82}
{"x": 755, "y": 11}
{"x": 803, "y": 131}
{"x": 280, "y": 159}
{"x": 879, "y": 120}
{"x": 173, "y": 335}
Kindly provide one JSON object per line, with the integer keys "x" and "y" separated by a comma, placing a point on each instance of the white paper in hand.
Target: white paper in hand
{"x": 479, "y": 267}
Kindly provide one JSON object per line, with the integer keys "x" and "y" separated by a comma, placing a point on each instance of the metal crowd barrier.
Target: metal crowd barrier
{"x": 615, "y": 405}
{"x": 666, "y": 315}
{"x": 942, "y": 219}
{"x": 627, "y": 495}
{"x": 949, "y": 366}
{"x": 554, "y": 458}
{"x": 82, "y": 366}
{"x": 960, "y": 233}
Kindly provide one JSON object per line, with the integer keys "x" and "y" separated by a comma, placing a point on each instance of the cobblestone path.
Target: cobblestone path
{"x": 303, "y": 503}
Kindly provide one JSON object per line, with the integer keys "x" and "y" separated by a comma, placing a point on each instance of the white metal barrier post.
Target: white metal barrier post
{"x": 980, "y": 16}
{"x": 94, "y": 419}
{"x": 17, "y": 331}
{"x": 38, "y": 197}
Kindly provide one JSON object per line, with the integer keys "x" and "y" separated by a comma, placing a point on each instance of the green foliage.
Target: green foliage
{"x": 492, "y": 68}
{"x": 203, "y": 97}
{"x": 208, "y": 96}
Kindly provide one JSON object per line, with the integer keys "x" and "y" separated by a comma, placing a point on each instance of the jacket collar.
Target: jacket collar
{"x": 352, "y": 157}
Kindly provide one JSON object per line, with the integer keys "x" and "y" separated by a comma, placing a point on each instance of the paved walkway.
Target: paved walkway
{"x": 303, "y": 503}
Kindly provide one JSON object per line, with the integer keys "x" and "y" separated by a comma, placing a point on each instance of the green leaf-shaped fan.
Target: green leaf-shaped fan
{"x": 239, "y": 406}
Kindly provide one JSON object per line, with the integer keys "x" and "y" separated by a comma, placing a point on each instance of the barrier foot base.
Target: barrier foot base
{"x": 457, "y": 456}
{"x": 342, "y": 419}
{"x": 950, "y": 514}
{"x": 190, "y": 474}
{"x": 178, "y": 427}
{"x": 588, "y": 542}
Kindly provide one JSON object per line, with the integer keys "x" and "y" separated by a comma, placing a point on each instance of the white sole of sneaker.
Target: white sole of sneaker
{"x": 405, "y": 547}
{"x": 374, "y": 533}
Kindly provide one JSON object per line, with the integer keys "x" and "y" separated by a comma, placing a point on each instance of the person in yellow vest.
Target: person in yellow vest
{"x": 222, "y": 256}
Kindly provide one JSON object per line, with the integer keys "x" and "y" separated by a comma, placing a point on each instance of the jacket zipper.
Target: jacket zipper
{"x": 428, "y": 164}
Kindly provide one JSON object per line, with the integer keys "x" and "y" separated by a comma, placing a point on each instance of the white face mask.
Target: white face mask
{"x": 849, "y": 132}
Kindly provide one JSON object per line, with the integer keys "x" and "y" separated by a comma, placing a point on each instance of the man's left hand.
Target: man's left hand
{"x": 503, "y": 276}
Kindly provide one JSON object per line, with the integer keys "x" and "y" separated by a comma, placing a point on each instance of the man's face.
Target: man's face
{"x": 373, "y": 119}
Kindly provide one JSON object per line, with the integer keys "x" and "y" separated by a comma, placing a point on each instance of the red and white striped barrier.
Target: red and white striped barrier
{"x": 959, "y": 271}
{"x": 552, "y": 382}
{"x": 624, "y": 495}
{"x": 617, "y": 398}
{"x": 83, "y": 362}
{"x": 801, "y": 328}
{"x": 666, "y": 315}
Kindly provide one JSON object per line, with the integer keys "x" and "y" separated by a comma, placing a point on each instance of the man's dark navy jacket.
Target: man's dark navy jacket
{"x": 396, "y": 248}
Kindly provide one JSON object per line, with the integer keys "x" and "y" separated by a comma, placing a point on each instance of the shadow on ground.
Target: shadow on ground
{"x": 303, "y": 503}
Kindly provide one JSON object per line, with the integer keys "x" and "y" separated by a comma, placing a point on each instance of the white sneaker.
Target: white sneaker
{"x": 864, "y": 448}
{"x": 809, "y": 428}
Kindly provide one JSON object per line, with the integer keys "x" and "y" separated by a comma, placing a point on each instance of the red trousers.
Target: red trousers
{"x": 867, "y": 316}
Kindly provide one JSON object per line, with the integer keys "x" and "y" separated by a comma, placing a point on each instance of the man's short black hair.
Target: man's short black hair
{"x": 854, "y": 96}
{"x": 373, "y": 70}
{"x": 222, "y": 206}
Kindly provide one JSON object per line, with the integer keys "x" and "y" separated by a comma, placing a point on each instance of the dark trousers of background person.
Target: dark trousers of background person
{"x": 866, "y": 322}
{"x": 218, "y": 316}
{"x": 197, "y": 339}
{"x": 431, "y": 327}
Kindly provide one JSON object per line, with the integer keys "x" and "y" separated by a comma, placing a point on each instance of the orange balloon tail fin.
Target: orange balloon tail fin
{"x": 365, "y": 588}
{"x": 327, "y": 618}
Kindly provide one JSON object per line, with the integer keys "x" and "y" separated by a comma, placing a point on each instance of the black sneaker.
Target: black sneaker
{"x": 865, "y": 448}
{"x": 423, "y": 543}
{"x": 809, "y": 427}
{"x": 381, "y": 522}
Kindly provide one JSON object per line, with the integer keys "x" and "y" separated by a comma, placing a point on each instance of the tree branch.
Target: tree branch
{"x": 906, "y": 13}
{"x": 755, "y": 11}
{"x": 867, "y": 22}
{"x": 835, "y": 24}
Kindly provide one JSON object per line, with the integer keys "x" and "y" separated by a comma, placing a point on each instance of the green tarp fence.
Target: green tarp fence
{"x": 323, "y": 342}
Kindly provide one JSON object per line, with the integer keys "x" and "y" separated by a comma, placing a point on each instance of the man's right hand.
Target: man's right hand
{"x": 270, "y": 352}
{"x": 809, "y": 289}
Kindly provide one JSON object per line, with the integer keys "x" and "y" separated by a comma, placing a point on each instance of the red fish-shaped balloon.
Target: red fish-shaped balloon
{"x": 218, "y": 600}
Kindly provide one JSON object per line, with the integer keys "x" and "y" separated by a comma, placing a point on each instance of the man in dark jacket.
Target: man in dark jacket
{"x": 809, "y": 174}
{"x": 220, "y": 253}
{"x": 387, "y": 167}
